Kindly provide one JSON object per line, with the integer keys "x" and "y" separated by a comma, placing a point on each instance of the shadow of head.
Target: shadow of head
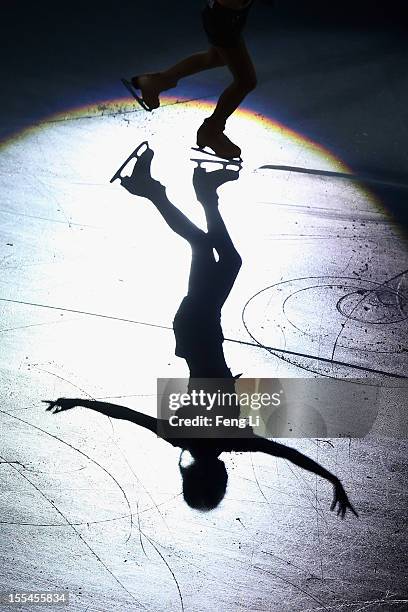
{"x": 204, "y": 483}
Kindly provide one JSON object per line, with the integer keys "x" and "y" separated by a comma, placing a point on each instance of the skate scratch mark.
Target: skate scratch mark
{"x": 56, "y": 322}
{"x": 282, "y": 352}
{"x": 254, "y": 544}
{"x": 119, "y": 112}
{"x": 78, "y": 451}
{"x": 367, "y": 604}
{"x": 277, "y": 490}
{"x": 251, "y": 563}
{"x": 276, "y": 351}
{"x": 306, "y": 289}
{"x": 110, "y": 397}
{"x": 260, "y": 488}
{"x": 358, "y": 603}
{"x": 205, "y": 571}
{"x": 336, "y": 213}
{"x": 140, "y": 529}
{"x": 4, "y": 259}
{"x": 64, "y": 380}
{"x": 24, "y": 524}
{"x": 58, "y": 204}
{"x": 349, "y": 460}
{"x": 32, "y": 264}
{"x": 299, "y": 477}
{"x": 300, "y": 237}
{"x": 120, "y": 451}
{"x": 54, "y": 471}
{"x": 139, "y": 481}
{"x": 110, "y": 520}
{"x": 241, "y": 523}
{"x": 346, "y": 267}
{"x": 328, "y": 442}
{"x": 25, "y": 408}
{"x": 308, "y": 488}
{"x": 297, "y": 587}
{"x": 349, "y": 288}
{"x": 80, "y": 537}
{"x": 290, "y": 563}
{"x": 144, "y": 488}
{"x": 75, "y": 387}
{"x": 364, "y": 607}
{"x": 302, "y": 569}
{"x": 168, "y": 567}
{"x": 319, "y": 543}
{"x": 38, "y": 218}
{"x": 366, "y": 294}
{"x": 89, "y": 314}
{"x": 399, "y": 295}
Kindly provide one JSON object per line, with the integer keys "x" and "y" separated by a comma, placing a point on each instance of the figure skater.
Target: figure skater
{"x": 199, "y": 341}
{"x": 224, "y": 22}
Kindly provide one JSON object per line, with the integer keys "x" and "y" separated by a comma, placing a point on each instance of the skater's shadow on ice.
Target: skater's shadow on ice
{"x": 215, "y": 264}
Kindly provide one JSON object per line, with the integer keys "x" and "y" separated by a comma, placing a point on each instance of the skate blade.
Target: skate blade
{"x": 138, "y": 99}
{"x": 225, "y": 163}
{"x": 230, "y": 159}
{"x": 136, "y": 153}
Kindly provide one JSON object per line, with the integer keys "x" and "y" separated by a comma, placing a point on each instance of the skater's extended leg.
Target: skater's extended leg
{"x": 211, "y": 133}
{"x": 193, "y": 64}
{"x": 177, "y": 220}
{"x": 152, "y": 85}
{"x": 142, "y": 184}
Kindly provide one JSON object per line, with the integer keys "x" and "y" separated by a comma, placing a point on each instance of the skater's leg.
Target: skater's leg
{"x": 202, "y": 257}
{"x": 244, "y": 80}
{"x": 240, "y": 64}
{"x": 142, "y": 184}
{"x": 206, "y": 183}
{"x": 177, "y": 221}
{"x": 229, "y": 262}
{"x": 202, "y": 269}
{"x": 193, "y": 64}
{"x": 212, "y": 280}
{"x": 152, "y": 85}
{"x": 219, "y": 236}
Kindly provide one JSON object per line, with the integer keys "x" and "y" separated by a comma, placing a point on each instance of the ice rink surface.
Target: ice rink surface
{"x": 91, "y": 278}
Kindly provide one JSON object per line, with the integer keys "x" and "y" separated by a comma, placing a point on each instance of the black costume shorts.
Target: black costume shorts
{"x": 224, "y": 26}
{"x": 197, "y": 329}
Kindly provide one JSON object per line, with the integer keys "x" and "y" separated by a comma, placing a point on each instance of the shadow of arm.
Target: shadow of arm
{"x": 270, "y": 447}
{"x": 121, "y": 412}
{"x": 340, "y": 503}
{"x": 111, "y": 410}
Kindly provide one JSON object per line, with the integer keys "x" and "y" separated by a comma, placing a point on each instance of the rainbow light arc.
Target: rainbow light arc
{"x": 125, "y": 105}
